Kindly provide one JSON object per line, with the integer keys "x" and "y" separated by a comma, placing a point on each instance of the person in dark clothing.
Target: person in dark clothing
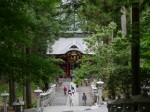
{"x": 72, "y": 89}
{"x": 84, "y": 99}
{"x": 71, "y": 78}
{"x": 69, "y": 91}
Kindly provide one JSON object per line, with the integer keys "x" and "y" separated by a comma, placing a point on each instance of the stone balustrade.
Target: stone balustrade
{"x": 137, "y": 103}
{"x": 47, "y": 97}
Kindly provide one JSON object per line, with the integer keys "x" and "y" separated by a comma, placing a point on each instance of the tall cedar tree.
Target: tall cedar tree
{"x": 135, "y": 50}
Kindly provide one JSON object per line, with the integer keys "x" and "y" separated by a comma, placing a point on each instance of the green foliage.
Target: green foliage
{"x": 145, "y": 45}
{"x": 26, "y": 26}
{"x": 4, "y": 87}
{"x": 96, "y": 12}
{"x": 111, "y": 59}
{"x": 118, "y": 80}
{"x": 109, "y": 62}
{"x": 145, "y": 25}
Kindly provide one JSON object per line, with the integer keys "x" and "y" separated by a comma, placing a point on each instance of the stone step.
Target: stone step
{"x": 102, "y": 108}
{"x": 60, "y": 98}
{"x": 64, "y": 108}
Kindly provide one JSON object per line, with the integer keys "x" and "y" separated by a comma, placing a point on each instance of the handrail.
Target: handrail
{"x": 47, "y": 97}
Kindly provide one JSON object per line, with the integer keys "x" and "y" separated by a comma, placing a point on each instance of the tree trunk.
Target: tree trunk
{"x": 135, "y": 50}
{"x": 24, "y": 97}
{"x": 28, "y": 95}
{"x": 27, "y": 89}
{"x": 12, "y": 91}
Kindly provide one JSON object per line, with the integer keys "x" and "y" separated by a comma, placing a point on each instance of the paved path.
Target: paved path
{"x": 60, "y": 99}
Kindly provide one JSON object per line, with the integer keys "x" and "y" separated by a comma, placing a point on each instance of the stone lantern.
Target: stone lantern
{"x": 86, "y": 81}
{"x": 37, "y": 92}
{"x": 18, "y": 104}
{"x": 5, "y": 95}
{"x": 94, "y": 92}
{"x": 99, "y": 85}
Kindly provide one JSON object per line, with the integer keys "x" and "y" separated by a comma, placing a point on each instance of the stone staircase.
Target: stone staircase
{"x": 60, "y": 102}
{"x": 60, "y": 99}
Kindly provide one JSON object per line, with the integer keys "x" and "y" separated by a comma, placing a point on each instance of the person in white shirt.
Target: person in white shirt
{"x": 70, "y": 99}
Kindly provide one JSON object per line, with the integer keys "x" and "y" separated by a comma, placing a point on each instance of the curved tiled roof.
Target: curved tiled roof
{"x": 63, "y": 45}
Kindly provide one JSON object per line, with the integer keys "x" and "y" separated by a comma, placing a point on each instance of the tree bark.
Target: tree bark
{"x": 28, "y": 95}
{"x": 12, "y": 91}
{"x": 28, "y": 87}
{"x": 24, "y": 97}
{"x": 135, "y": 50}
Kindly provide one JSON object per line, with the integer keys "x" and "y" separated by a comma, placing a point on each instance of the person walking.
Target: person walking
{"x": 71, "y": 77}
{"x": 72, "y": 89}
{"x": 65, "y": 90}
{"x": 84, "y": 99}
{"x": 70, "y": 99}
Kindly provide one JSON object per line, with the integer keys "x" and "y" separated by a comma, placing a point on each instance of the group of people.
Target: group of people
{"x": 71, "y": 91}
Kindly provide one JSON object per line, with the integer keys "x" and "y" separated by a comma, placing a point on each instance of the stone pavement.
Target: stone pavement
{"x": 61, "y": 101}
{"x": 102, "y": 108}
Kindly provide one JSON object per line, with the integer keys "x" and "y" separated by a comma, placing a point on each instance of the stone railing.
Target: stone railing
{"x": 138, "y": 103}
{"x": 47, "y": 97}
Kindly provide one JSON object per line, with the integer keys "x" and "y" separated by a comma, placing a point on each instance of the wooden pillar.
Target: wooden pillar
{"x": 67, "y": 70}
